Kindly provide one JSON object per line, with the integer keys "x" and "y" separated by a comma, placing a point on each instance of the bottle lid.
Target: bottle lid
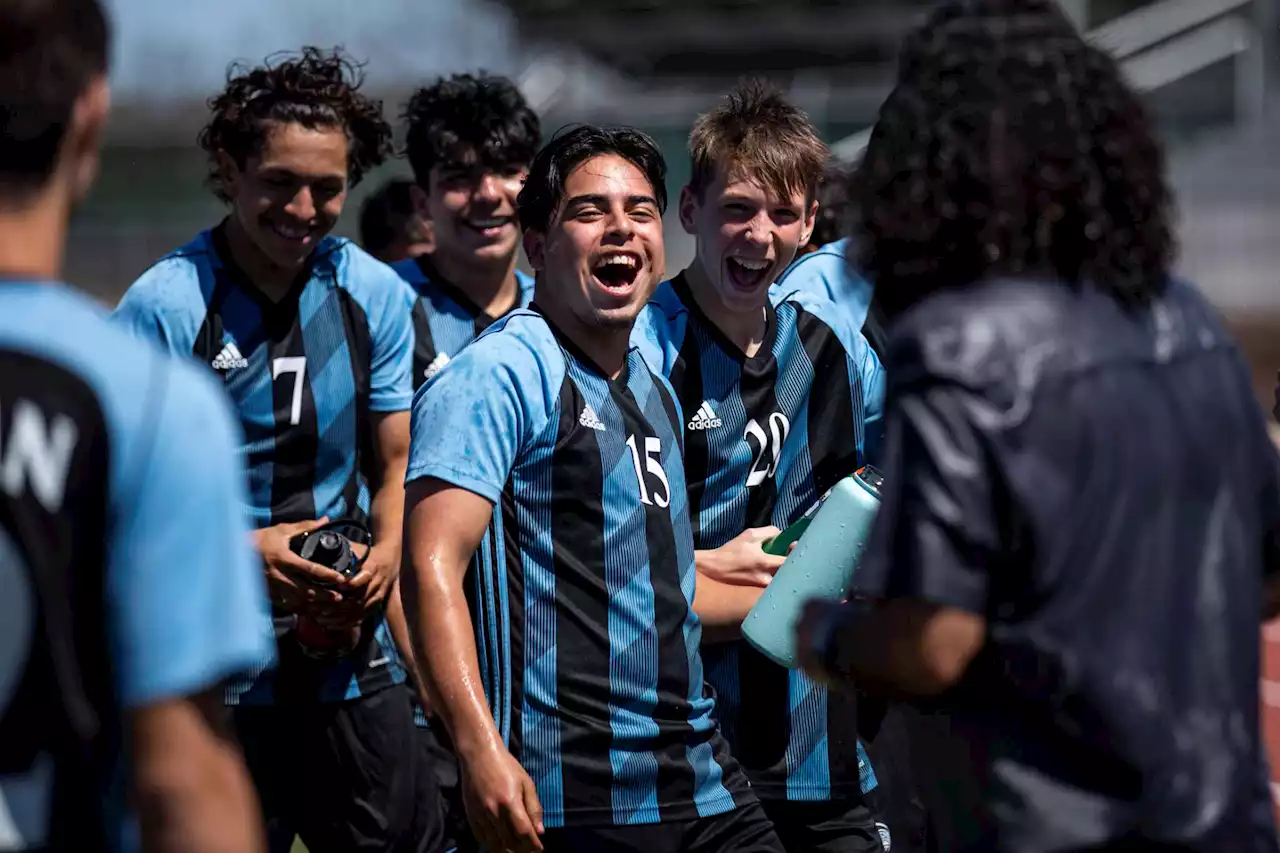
{"x": 871, "y": 479}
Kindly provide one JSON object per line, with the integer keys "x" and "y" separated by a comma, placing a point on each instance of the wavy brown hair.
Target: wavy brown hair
{"x": 314, "y": 88}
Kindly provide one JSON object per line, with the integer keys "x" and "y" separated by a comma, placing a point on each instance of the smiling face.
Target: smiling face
{"x": 746, "y": 235}
{"x": 472, "y": 210}
{"x": 602, "y": 255}
{"x": 290, "y": 194}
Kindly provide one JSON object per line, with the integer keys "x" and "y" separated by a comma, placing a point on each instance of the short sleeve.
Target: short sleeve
{"x": 936, "y": 536}
{"x": 829, "y": 274}
{"x": 185, "y": 589}
{"x": 472, "y": 418}
{"x": 871, "y": 373}
{"x": 164, "y": 306}
{"x": 388, "y": 303}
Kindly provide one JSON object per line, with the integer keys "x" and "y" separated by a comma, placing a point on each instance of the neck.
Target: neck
{"x": 491, "y": 286}
{"x": 605, "y": 345}
{"x": 745, "y": 329}
{"x": 264, "y": 274}
{"x": 32, "y": 238}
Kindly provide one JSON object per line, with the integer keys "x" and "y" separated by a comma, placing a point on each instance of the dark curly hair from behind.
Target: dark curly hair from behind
{"x": 467, "y": 116}
{"x": 314, "y": 88}
{"x": 1010, "y": 146}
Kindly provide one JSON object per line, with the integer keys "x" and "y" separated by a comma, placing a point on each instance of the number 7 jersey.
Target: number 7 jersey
{"x": 766, "y": 437}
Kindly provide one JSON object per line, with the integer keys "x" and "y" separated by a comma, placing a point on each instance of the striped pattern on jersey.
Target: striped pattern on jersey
{"x": 298, "y": 373}
{"x": 445, "y": 319}
{"x": 769, "y": 436}
{"x": 582, "y": 589}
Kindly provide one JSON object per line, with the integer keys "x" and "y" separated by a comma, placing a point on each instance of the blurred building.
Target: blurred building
{"x": 1208, "y": 67}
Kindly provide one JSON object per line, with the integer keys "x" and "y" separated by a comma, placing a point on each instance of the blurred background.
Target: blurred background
{"x": 1209, "y": 68}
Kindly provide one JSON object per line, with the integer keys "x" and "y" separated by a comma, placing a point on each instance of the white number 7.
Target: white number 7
{"x": 297, "y": 365}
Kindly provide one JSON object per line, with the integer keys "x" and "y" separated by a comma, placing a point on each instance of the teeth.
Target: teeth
{"x": 488, "y": 223}
{"x": 753, "y": 265}
{"x": 625, "y": 260}
{"x": 293, "y": 233}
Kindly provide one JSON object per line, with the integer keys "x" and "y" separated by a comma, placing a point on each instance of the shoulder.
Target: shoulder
{"x": 815, "y": 316}
{"x": 370, "y": 282}
{"x": 660, "y": 327}
{"x": 833, "y": 257}
{"x": 180, "y": 281}
{"x": 523, "y": 339}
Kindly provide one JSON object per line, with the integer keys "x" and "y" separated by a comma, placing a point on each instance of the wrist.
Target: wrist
{"x": 476, "y": 745}
{"x": 707, "y": 562}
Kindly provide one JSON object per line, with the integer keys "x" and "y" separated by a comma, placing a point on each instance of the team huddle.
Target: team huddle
{"x": 510, "y": 526}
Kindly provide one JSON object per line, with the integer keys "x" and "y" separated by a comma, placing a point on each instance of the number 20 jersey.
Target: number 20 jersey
{"x": 766, "y": 437}
{"x": 304, "y": 374}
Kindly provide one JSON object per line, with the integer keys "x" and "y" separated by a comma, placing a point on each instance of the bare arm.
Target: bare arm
{"x": 903, "y": 647}
{"x": 399, "y": 625}
{"x": 443, "y": 530}
{"x": 722, "y": 607}
{"x": 191, "y": 789}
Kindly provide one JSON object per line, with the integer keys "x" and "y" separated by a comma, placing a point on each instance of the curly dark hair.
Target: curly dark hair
{"x": 465, "y": 115}
{"x": 1010, "y": 146}
{"x": 314, "y": 88}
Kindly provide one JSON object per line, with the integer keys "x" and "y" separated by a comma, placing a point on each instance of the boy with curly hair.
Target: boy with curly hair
{"x": 310, "y": 337}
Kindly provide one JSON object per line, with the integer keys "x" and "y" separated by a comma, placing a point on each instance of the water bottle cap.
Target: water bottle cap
{"x": 871, "y": 478}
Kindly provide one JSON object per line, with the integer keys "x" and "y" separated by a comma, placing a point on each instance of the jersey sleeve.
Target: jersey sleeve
{"x": 165, "y": 306}
{"x": 387, "y": 300}
{"x": 829, "y": 274}
{"x": 471, "y": 420}
{"x": 185, "y": 588}
{"x": 936, "y": 536}
{"x": 871, "y": 371}
{"x": 659, "y": 331}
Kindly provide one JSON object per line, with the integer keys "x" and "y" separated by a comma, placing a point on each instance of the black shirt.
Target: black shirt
{"x": 1099, "y": 485}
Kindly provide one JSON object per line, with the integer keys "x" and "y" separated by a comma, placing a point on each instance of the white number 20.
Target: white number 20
{"x": 653, "y": 465}
{"x": 297, "y": 365}
{"x": 766, "y": 450}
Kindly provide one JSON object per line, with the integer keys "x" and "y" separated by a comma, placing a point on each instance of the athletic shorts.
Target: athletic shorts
{"x": 825, "y": 827}
{"x": 344, "y": 777}
{"x": 743, "y": 830}
{"x": 444, "y": 762}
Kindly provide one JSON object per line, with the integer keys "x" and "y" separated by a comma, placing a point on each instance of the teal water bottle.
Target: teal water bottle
{"x": 821, "y": 566}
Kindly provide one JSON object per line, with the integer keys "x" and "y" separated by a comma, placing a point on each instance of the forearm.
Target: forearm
{"x": 444, "y": 647}
{"x": 191, "y": 791}
{"x": 399, "y": 625}
{"x": 386, "y": 512}
{"x": 721, "y": 607}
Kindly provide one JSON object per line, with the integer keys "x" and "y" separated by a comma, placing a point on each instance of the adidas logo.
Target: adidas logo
{"x": 436, "y": 365}
{"x": 589, "y": 420}
{"x": 705, "y": 418}
{"x": 230, "y": 358}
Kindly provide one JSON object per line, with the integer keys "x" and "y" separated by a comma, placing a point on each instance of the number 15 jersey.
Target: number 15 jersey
{"x": 581, "y": 592}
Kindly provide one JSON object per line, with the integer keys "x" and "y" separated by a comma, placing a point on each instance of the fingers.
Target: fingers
{"x": 306, "y": 570}
{"x": 304, "y": 526}
{"x": 520, "y": 830}
{"x": 532, "y": 806}
{"x": 760, "y": 535}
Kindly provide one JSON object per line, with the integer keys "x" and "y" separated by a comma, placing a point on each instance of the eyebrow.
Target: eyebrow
{"x": 603, "y": 200}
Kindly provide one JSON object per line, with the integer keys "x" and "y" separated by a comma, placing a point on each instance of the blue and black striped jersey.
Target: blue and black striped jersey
{"x": 765, "y": 438}
{"x": 444, "y": 318}
{"x": 126, "y": 570}
{"x": 582, "y": 591}
{"x": 304, "y": 374}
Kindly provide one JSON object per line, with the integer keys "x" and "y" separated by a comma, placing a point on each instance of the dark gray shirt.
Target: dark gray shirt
{"x": 1099, "y": 485}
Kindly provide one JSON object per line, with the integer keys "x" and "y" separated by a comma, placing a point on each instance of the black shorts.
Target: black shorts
{"x": 743, "y": 830}
{"x": 344, "y": 777}
{"x": 444, "y": 762}
{"x": 825, "y": 827}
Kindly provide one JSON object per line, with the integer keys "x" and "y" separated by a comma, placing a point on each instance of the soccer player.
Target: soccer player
{"x": 311, "y": 339}
{"x": 469, "y": 140}
{"x": 824, "y": 266}
{"x": 782, "y": 400}
{"x": 563, "y": 655}
{"x": 390, "y": 228}
{"x": 130, "y": 591}
{"x": 1078, "y": 533}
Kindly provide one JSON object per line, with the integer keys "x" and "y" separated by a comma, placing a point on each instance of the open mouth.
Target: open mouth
{"x": 617, "y": 271}
{"x": 747, "y": 273}
{"x": 491, "y": 226}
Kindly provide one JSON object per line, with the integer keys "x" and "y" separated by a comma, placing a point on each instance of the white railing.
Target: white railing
{"x": 1166, "y": 41}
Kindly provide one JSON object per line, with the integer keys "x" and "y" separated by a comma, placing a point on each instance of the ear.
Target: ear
{"x": 418, "y": 196}
{"x": 84, "y": 139}
{"x": 689, "y": 205}
{"x": 810, "y": 222}
{"x": 535, "y": 246}
{"x": 229, "y": 172}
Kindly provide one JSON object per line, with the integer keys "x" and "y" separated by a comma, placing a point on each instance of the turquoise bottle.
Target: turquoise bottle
{"x": 830, "y": 541}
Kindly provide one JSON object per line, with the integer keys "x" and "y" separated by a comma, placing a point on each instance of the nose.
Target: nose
{"x": 621, "y": 227}
{"x": 487, "y": 187}
{"x": 302, "y": 206}
{"x": 759, "y": 230}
